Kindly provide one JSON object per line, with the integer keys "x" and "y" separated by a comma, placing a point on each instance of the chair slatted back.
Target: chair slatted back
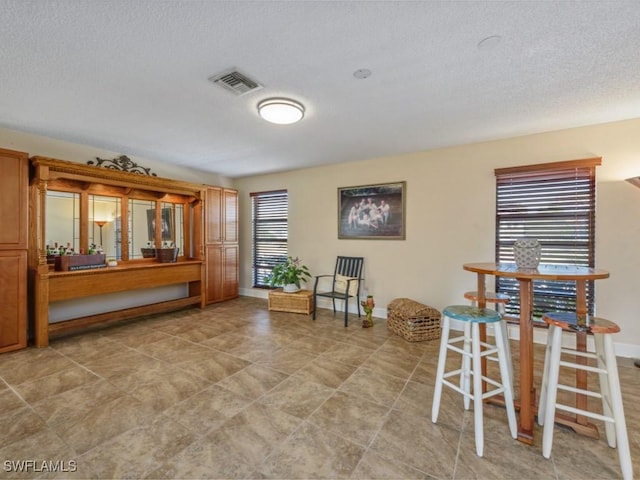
{"x": 349, "y": 267}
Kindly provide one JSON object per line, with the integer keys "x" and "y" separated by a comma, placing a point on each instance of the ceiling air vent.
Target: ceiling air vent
{"x": 235, "y": 82}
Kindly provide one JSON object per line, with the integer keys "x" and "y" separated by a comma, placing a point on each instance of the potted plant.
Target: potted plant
{"x": 289, "y": 275}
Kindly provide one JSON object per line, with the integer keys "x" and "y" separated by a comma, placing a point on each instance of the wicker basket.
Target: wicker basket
{"x": 412, "y": 320}
{"x": 298, "y": 302}
{"x": 167, "y": 255}
{"x": 148, "y": 252}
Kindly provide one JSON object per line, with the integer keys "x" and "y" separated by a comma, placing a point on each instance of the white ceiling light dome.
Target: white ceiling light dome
{"x": 282, "y": 111}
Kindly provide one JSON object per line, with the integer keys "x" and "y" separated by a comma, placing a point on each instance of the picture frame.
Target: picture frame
{"x": 166, "y": 217}
{"x": 375, "y": 212}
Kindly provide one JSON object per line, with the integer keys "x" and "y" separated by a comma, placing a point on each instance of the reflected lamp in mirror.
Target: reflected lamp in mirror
{"x": 100, "y": 223}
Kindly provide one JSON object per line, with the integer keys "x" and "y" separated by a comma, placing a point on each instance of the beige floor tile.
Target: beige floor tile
{"x": 297, "y": 397}
{"x": 253, "y": 381}
{"x": 236, "y": 391}
{"x": 256, "y": 431}
{"x": 351, "y": 417}
{"x": 312, "y": 452}
{"x": 138, "y": 451}
{"x": 373, "y": 386}
{"x": 207, "y": 409}
{"x": 325, "y": 371}
{"x": 19, "y": 424}
{"x": 58, "y": 382}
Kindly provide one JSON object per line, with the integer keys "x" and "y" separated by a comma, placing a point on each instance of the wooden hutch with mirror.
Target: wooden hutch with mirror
{"x": 129, "y": 218}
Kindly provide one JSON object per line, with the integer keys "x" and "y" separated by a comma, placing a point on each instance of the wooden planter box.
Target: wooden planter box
{"x": 65, "y": 263}
{"x": 298, "y": 302}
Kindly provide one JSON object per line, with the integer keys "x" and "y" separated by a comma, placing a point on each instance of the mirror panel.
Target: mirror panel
{"x": 104, "y": 221}
{"x": 173, "y": 224}
{"x": 63, "y": 220}
{"x": 141, "y": 226}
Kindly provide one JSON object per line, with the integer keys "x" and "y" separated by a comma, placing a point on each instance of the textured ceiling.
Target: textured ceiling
{"x": 131, "y": 76}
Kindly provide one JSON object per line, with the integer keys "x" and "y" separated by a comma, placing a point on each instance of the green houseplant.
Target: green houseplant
{"x": 289, "y": 275}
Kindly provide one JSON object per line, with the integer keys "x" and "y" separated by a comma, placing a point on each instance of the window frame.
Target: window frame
{"x": 269, "y": 210}
{"x": 568, "y": 193}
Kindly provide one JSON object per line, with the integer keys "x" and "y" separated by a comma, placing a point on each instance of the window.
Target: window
{"x": 270, "y": 212}
{"x": 554, "y": 203}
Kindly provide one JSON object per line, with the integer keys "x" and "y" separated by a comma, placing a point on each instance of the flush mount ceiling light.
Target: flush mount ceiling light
{"x": 282, "y": 111}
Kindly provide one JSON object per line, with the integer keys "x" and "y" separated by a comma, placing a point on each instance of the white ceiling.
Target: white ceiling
{"x": 131, "y": 76}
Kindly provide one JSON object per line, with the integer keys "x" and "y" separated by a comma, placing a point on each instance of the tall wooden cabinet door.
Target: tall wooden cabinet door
{"x": 230, "y": 273}
{"x": 13, "y": 300}
{"x": 230, "y": 223}
{"x": 214, "y": 271}
{"x": 213, "y": 228}
{"x": 221, "y": 244}
{"x": 14, "y": 202}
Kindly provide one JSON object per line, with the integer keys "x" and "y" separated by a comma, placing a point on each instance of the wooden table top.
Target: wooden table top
{"x": 546, "y": 272}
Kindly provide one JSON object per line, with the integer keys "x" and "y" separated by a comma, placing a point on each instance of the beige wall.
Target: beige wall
{"x": 36, "y": 145}
{"x": 450, "y": 217}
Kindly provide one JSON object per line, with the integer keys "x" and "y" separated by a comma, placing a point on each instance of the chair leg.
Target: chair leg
{"x": 622, "y": 440}
{"x": 506, "y": 375}
{"x": 605, "y": 391}
{"x": 552, "y": 389}
{"x": 346, "y": 312}
{"x": 315, "y": 303}
{"x": 465, "y": 375}
{"x": 507, "y": 349}
{"x": 442, "y": 360}
{"x": 477, "y": 390}
{"x": 542, "y": 405}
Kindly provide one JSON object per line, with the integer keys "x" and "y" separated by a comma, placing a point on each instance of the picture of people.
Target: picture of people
{"x": 166, "y": 218}
{"x": 372, "y": 211}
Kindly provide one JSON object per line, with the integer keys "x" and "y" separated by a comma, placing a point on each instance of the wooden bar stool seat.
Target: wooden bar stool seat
{"x": 472, "y": 351}
{"x": 498, "y": 299}
{"x": 607, "y": 370}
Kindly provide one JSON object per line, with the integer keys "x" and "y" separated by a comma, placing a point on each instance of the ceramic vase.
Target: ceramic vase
{"x": 526, "y": 252}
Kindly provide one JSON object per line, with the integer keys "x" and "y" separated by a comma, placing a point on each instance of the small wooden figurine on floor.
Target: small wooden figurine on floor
{"x": 367, "y": 306}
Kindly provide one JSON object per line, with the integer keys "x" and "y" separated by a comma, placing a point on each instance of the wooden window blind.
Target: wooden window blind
{"x": 270, "y": 212}
{"x": 555, "y": 204}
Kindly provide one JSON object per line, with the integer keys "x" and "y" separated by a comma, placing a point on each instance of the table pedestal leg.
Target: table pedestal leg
{"x": 527, "y": 392}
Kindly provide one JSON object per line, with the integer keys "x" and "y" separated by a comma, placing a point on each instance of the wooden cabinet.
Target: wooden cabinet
{"x": 13, "y": 249}
{"x": 221, "y": 244}
{"x": 131, "y": 274}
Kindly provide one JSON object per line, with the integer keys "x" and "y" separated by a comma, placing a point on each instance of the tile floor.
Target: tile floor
{"x": 236, "y": 391}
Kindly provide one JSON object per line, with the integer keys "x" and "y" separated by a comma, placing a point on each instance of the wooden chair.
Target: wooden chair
{"x": 345, "y": 284}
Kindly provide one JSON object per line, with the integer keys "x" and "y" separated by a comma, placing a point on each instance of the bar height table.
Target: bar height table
{"x": 525, "y": 278}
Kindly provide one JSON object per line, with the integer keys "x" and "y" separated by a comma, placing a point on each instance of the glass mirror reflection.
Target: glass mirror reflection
{"x": 141, "y": 226}
{"x": 63, "y": 220}
{"x": 104, "y": 221}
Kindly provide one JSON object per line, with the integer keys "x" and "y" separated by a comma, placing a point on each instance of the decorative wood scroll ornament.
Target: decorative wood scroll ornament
{"x": 122, "y": 163}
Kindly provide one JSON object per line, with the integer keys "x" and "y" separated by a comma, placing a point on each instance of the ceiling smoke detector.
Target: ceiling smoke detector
{"x": 235, "y": 82}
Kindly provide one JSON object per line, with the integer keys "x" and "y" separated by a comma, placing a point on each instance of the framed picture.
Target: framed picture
{"x": 372, "y": 211}
{"x": 167, "y": 224}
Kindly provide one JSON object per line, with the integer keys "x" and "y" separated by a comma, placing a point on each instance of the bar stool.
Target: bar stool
{"x": 500, "y": 301}
{"x": 471, "y": 366}
{"x": 607, "y": 370}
